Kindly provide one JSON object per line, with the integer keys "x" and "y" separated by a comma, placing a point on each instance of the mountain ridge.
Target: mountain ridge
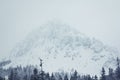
{"x": 62, "y": 47}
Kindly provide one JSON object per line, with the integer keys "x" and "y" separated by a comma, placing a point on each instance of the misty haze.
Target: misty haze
{"x": 59, "y": 40}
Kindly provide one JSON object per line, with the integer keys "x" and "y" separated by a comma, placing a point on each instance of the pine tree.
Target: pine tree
{"x": 66, "y": 77}
{"x": 103, "y": 77}
{"x": 35, "y": 75}
{"x": 74, "y": 76}
{"x": 42, "y": 74}
{"x": 11, "y": 75}
{"x": 14, "y": 75}
{"x": 89, "y": 77}
{"x": 60, "y": 77}
{"x": 52, "y": 77}
{"x": 25, "y": 77}
{"x": 96, "y": 78}
{"x": 111, "y": 72}
{"x": 118, "y": 69}
{"x": 47, "y": 77}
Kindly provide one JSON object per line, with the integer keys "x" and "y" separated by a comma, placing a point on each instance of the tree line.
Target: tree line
{"x": 33, "y": 73}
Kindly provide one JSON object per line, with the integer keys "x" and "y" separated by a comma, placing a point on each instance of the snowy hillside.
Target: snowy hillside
{"x": 63, "y": 48}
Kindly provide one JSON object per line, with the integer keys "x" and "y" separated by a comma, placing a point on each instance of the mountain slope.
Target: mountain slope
{"x": 63, "y": 48}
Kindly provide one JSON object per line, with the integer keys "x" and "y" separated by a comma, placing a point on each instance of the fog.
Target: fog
{"x": 95, "y": 18}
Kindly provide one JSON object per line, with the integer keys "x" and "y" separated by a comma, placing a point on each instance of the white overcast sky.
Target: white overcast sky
{"x": 95, "y": 18}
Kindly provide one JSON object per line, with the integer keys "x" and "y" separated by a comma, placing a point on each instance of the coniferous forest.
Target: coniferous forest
{"x": 33, "y": 73}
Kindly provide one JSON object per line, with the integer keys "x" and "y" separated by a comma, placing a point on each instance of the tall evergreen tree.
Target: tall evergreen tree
{"x": 14, "y": 75}
{"x": 11, "y": 76}
{"x": 103, "y": 77}
{"x": 35, "y": 75}
{"x": 89, "y": 77}
{"x": 111, "y": 74}
{"x": 74, "y": 76}
{"x": 118, "y": 69}
{"x": 60, "y": 77}
{"x": 66, "y": 77}
{"x": 96, "y": 78}
{"x": 42, "y": 74}
{"x": 47, "y": 77}
{"x": 52, "y": 77}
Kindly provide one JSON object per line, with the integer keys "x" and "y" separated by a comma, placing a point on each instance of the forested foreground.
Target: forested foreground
{"x": 33, "y": 73}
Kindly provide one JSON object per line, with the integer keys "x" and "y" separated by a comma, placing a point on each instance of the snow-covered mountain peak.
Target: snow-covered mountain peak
{"x": 63, "y": 48}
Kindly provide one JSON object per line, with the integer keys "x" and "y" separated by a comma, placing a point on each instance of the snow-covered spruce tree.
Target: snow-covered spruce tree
{"x": 89, "y": 77}
{"x": 110, "y": 75}
{"x": 47, "y": 76}
{"x": 95, "y": 78}
{"x": 74, "y": 76}
{"x": 66, "y": 77}
{"x": 35, "y": 76}
{"x": 117, "y": 72}
{"x": 60, "y": 77}
{"x": 14, "y": 75}
{"x": 103, "y": 77}
{"x": 52, "y": 77}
